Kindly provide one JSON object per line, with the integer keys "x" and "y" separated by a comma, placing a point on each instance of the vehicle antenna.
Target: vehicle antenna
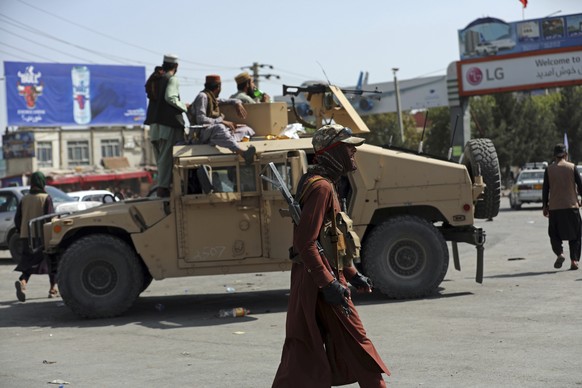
{"x": 453, "y": 138}
{"x": 422, "y": 136}
{"x": 323, "y": 70}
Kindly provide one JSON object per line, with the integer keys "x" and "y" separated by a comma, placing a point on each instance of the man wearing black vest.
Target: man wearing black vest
{"x": 167, "y": 128}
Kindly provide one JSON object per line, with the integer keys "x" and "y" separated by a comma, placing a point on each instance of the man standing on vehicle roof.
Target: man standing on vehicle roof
{"x": 217, "y": 131}
{"x": 562, "y": 185}
{"x": 325, "y": 342}
{"x": 168, "y": 128}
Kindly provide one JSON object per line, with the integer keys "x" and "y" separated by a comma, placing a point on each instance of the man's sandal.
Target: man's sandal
{"x": 20, "y": 291}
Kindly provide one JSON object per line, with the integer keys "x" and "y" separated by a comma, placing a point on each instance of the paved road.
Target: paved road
{"x": 520, "y": 328}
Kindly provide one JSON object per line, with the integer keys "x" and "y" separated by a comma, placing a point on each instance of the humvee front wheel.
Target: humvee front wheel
{"x": 100, "y": 276}
{"x": 406, "y": 257}
{"x": 480, "y": 156}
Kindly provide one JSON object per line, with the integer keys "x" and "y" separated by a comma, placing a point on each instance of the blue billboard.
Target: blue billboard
{"x": 489, "y": 36}
{"x": 49, "y": 94}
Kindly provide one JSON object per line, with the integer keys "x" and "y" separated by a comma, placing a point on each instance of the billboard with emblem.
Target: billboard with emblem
{"x": 49, "y": 94}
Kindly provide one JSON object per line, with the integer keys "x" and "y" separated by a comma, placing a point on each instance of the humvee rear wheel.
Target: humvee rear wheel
{"x": 480, "y": 154}
{"x": 406, "y": 257}
{"x": 100, "y": 276}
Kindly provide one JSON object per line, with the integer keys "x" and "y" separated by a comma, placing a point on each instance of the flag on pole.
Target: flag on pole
{"x": 566, "y": 140}
{"x": 524, "y": 2}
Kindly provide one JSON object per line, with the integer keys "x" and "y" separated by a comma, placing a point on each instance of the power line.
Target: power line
{"x": 256, "y": 75}
{"x": 26, "y": 52}
{"x": 210, "y": 66}
{"x": 13, "y": 55}
{"x": 44, "y": 34}
{"x": 88, "y": 28}
{"x": 302, "y": 76}
{"x": 40, "y": 44}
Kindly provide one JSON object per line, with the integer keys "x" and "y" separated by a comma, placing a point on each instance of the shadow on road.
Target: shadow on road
{"x": 174, "y": 311}
{"x": 521, "y": 274}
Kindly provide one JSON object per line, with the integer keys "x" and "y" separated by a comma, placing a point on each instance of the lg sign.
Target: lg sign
{"x": 475, "y": 75}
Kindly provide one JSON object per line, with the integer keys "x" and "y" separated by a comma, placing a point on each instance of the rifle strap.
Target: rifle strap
{"x": 335, "y": 239}
{"x": 331, "y": 213}
{"x": 308, "y": 183}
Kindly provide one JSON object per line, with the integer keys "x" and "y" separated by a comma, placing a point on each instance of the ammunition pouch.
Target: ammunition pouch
{"x": 339, "y": 236}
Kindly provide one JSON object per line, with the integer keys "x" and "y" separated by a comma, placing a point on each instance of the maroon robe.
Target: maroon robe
{"x": 323, "y": 346}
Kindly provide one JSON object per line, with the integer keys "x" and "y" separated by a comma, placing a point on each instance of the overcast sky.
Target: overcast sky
{"x": 298, "y": 38}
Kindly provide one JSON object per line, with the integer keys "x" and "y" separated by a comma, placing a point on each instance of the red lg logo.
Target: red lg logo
{"x": 474, "y": 76}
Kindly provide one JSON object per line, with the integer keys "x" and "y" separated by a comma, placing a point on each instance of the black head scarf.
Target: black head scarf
{"x": 333, "y": 162}
{"x": 37, "y": 183}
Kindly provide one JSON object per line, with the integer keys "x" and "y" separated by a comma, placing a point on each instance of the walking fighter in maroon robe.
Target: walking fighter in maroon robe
{"x": 325, "y": 344}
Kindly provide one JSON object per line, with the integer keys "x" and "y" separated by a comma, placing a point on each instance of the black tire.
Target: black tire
{"x": 15, "y": 246}
{"x": 406, "y": 257}
{"x": 147, "y": 280}
{"x": 100, "y": 276}
{"x": 481, "y": 154}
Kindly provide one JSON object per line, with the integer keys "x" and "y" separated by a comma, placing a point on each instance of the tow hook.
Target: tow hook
{"x": 479, "y": 241}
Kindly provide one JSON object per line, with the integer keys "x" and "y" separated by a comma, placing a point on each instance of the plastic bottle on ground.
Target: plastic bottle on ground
{"x": 234, "y": 312}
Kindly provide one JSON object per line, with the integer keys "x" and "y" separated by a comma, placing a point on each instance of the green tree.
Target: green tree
{"x": 569, "y": 119}
{"x": 521, "y": 126}
{"x": 383, "y": 129}
{"x": 438, "y": 134}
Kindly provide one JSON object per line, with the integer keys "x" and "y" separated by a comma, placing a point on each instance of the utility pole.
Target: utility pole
{"x": 398, "y": 110}
{"x": 254, "y": 68}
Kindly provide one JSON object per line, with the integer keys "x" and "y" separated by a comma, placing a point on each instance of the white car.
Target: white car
{"x": 527, "y": 188}
{"x": 93, "y": 195}
{"x": 10, "y": 198}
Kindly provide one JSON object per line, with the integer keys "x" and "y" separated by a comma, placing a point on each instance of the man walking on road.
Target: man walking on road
{"x": 326, "y": 344}
{"x": 562, "y": 185}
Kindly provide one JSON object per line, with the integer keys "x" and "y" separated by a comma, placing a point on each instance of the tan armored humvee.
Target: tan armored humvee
{"x": 222, "y": 218}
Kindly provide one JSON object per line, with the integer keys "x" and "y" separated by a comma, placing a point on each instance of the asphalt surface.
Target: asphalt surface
{"x": 520, "y": 328}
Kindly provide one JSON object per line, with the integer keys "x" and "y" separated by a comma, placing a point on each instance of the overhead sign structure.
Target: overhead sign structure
{"x": 536, "y": 70}
{"x": 49, "y": 95}
{"x": 486, "y": 37}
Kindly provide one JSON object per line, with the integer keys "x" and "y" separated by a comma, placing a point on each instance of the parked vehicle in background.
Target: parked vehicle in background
{"x": 103, "y": 196}
{"x": 485, "y": 48}
{"x": 528, "y": 185}
{"x": 10, "y": 198}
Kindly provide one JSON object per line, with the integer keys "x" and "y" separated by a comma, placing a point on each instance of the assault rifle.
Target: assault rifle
{"x": 279, "y": 183}
{"x": 321, "y": 88}
{"x": 294, "y": 209}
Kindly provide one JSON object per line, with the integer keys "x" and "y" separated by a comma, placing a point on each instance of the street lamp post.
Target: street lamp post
{"x": 398, "y": 110}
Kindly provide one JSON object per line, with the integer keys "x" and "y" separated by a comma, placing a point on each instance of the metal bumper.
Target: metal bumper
{"x": 36, "y": 233}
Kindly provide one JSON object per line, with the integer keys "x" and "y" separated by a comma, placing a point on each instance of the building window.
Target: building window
{"x": 78, "y": 152}
{"x": 110, "y": 148}
{"x": 44, "y": 153}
